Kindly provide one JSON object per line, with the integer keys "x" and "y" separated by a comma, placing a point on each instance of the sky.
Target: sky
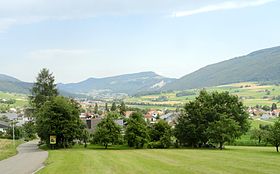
{"x": 78, "y": 39}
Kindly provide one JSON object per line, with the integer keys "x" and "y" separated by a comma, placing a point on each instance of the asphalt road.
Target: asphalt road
{"x": 28, "y": 160}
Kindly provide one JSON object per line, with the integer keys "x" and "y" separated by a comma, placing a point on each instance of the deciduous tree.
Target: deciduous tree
{"x": 274, "y": 135}
{"x": 193, "y": 125}
{"x": 136, "y": 133}
{"x": 107, "y": 132}
{"x": 60, "y": 117}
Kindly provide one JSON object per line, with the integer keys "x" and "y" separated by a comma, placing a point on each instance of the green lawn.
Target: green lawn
{"x": 232, "y": 160}
{"x": 7, "y": 149}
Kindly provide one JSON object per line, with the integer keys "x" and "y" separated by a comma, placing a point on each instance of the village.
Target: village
{"x": 92, "y": 112}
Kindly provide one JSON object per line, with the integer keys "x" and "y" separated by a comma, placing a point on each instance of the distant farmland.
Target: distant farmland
{"x": 250, "y": 93}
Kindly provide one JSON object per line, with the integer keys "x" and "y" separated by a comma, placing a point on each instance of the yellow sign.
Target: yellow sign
{"x": 52, "y": 139}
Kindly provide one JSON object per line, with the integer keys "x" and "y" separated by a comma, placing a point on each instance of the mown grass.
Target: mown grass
{"x": 7, "y": 148}
{"x": 163, "y": 161}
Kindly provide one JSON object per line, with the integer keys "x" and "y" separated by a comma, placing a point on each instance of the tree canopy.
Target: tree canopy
{"x": 60, "y": 117}
{"x": 136, "y": 132}
{"x": 203, "y": 120}
{"x": 43, "y": 89}
{"x": 274, "y": 135}
{"x": 107, "y": 132}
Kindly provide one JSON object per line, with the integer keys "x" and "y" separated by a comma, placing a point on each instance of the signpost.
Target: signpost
{"x": 52, "y": 140}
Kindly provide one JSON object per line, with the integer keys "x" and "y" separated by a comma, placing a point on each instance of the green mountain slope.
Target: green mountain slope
{"x": 11, "y": 84}
{"x": 262, "y": 65}
{"x": 128, "y": 83}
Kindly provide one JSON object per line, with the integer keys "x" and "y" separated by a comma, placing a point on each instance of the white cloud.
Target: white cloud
{"x": 18, "y": 12}
{"x": 21, "y": 12}
{"x": 223, "y": 6}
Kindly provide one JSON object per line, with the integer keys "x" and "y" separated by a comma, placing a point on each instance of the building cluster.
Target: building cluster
{"x": 261, "y": 114}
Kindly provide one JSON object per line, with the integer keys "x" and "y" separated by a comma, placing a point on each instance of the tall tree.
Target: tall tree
{"x": 122, "y": 108}
{"x": 43, "y": 89}
{"x": 273, "y": 106}
{"x": 107, "y": 132}
{"x": 136, "y": 132}
{"x": 106, "y": 107}
{"x": 60, "y": 117}
{"x": 274, "y": 135}
{"x": 95, "y": 108}
{"x": 114, "y": 107}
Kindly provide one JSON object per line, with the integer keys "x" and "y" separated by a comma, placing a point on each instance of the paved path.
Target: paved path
{"x": 28, "y": 160}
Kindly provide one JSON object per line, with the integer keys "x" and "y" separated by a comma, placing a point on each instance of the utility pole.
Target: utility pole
{"x": 13, "y": 131}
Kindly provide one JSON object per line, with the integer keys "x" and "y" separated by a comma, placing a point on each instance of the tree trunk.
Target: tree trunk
{"x": 277, "y": 148}
{"x": 106, "y": 146}
{"x": 221, "y": 146}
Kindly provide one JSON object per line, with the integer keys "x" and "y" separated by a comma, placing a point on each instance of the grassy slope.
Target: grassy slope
{"x": 233, "y": 160}
{"x": 252, "y": 96}
{"x": 7, "y": 149}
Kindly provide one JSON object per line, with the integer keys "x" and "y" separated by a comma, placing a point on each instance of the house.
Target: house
{"x": 91, "y": 123}
{"x": 151, "y": 116}
{"x": 276, "y": 112}
{"x": 265, "y": 117}
{"x": 3, "y": 126}
{"x": 20, "y": 119}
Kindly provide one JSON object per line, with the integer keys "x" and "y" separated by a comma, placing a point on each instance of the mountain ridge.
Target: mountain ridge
{"x": 261, "y": 65}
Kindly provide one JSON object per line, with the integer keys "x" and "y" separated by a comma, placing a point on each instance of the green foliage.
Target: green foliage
{"x": 18, "y": 131}
{"x": 107, "y": 132}
{"x": 85, "y": 136}
{"x": 136, "y": 133}
{"x": 106, "y": 107}
{"x": 223, "y": 130}
{"x": 185, "y": 93}
{"x": 122, "y": 108}
{"x": 273, "y": 106}
{"x": 259, "y": 135}
{"x": 29, "y": 130}
{"x": 160, "y": 134}
{"x": 43, "y": 89}
{"x": 59, "y": 116}
{"x": 114, "y": 115}
{"x": 266, "y": 108}
{"x": 114, "y": 107}
{"x": 95, "y": 109}
{"x": 200, "y": 119}
{"x": 274, "y": 135}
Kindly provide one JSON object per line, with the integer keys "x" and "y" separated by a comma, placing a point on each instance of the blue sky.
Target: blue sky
{"x": 97, "y": 38}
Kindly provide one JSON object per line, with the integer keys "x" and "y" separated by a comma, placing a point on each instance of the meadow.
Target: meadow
{"x": 7, "y": 148}
{"x": 234, "y": 159}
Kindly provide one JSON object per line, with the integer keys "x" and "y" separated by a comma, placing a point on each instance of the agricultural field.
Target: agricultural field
{"x": 7, "y": 148}
{"x": 234, "y": 159}
{"x": 250, "y": 93}
{"x": 20, "y": 99}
